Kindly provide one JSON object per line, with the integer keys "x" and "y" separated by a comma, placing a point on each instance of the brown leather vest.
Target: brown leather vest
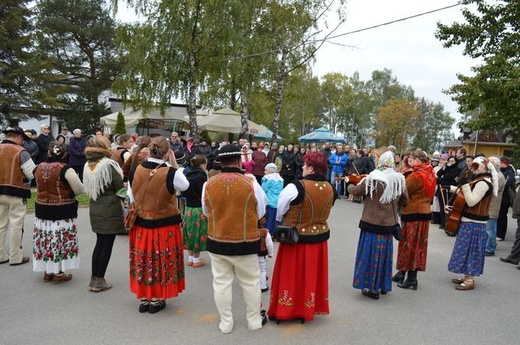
{"x": 231, "y": 204}
{"x": 11, "y": 175}
{"x": 51, "y": 190}
{"x": 310, "y": 216}
{"x": 117, "y": 155}
{"x": 151, "y": 193}
{"x": 480, "y": 211}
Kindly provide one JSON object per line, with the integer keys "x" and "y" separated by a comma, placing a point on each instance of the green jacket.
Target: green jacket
{"x": 106, "y": 213}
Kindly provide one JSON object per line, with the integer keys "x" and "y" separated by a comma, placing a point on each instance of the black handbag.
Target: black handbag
{"x": 398, "y": 235}
{"x": 286, "y": 234}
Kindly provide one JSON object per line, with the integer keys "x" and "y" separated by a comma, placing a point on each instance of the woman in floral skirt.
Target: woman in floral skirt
{"x": 384, "y": 191}
{"x": 55, "y": 242}
{"x": 156, "y": 247}
{"x": 416, "y": 216}
{"x": 300, "y": 285}
{"x": 195, "y": 222}
{"x": 469, "y": 250}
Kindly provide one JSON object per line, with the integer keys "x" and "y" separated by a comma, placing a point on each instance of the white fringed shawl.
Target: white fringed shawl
{"x": 97, "y": 179}
{"x": 393, "y": 183}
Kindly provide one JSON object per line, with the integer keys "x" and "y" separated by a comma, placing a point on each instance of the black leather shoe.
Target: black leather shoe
{"x": 509, "y": 261}
{"x": 263, "y": 314}
{"x": 144, "y": 307}
{"x": 154, "y": 308}
{"x": 370, "y": 294}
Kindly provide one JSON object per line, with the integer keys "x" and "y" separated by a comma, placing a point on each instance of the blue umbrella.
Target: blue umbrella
{"x": 321, "y": 135}
{"x": 268, "y": 135}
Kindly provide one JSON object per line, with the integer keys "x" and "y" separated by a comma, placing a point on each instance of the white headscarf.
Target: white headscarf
{"x": 491, "y": 169}
{"x": 393, "y": 182}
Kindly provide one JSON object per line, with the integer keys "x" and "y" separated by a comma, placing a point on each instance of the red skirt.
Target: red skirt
{"x": 413, "y": 248}
{"x": 300, "y": 283}
{"x": 156, "y": 262}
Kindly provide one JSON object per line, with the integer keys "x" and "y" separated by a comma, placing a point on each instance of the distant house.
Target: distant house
{"x": 487, "y": 142}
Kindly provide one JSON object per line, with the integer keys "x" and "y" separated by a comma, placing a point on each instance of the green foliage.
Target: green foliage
{"x": 77, "y": 39}
{"x": 19, "y": 65}
{"x": 120, "y": 124}
{"x": 491, "y": 33}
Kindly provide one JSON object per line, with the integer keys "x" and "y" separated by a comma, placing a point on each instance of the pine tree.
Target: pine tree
{"x": 120, "y": 124}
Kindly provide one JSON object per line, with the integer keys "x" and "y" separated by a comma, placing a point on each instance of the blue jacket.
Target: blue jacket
{"x": 272, "y": 185}
{"x": 343, "y": 160}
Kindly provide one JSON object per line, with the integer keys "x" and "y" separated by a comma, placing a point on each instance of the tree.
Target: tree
{"x": 174, "y": 51}
{"x": 358, "y": 120}
{"x": 302, "y": 105}
{"x": 336, "y": 97}
{"x": 396, "y": 122}
{"x": 294, "y": 31}
{"x": 491, "y": 33}
{"x": 120, "y": 124}
{"x": 434, "y": 129}
{"x": 78, "y": 37}
{"x": 18, "y": 66}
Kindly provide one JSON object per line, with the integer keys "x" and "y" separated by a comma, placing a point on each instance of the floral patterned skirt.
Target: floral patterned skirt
{"x": 156, "y": 262}
{"x": 373, "y": 268}
{"x": 469, "y": 250}
{"x": 300, "y": 284}
{"x": 413, "y": 248}
{"x": 195, "y": 229}
{"x": 55, "y": 245}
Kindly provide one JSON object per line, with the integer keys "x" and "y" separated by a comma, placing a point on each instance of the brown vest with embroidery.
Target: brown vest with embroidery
{"x": 231, "y": 204}
{"x": 51, "y": 190}
{"x": 12, "y": 180}
{"x": 150, "y": 192}
{"x": 480, "y": 211}
{"x": 310, "y": 216}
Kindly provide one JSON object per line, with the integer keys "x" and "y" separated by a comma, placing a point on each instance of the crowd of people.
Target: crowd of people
{"x": 181, "y": 195}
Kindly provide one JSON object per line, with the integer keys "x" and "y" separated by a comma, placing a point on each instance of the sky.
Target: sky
{"x": 408, "y": 48}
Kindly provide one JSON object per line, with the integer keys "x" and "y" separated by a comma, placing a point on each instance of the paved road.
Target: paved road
{"x": 33, "y": 312}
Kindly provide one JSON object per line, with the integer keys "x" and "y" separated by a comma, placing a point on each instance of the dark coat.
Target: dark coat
{"x": 288, "y": 164}
{"x": 43, "y": 141}
{"x": 197, "y": 177}
{"x": 76, "y": 151}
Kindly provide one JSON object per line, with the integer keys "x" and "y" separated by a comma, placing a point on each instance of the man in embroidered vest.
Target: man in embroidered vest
{"x": 16, "y": 171}
{"x": 234, "y": 203}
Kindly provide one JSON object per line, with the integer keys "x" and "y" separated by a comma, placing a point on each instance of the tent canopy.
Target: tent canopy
{"x": 321, "y": 135}
{"x": 227, "y": 121}
{"x": 132, "y": 116}
{"x": 268, "y": 135}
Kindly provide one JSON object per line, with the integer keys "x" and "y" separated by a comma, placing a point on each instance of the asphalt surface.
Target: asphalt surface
{"x": 34, "y": 312}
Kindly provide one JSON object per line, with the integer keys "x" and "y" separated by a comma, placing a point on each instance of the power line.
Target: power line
{"x": 363, "y": 29}
{"x": 392, "y": 22}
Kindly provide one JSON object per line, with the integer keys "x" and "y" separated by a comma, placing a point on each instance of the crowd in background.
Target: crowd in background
{"x": 402, "y": 194}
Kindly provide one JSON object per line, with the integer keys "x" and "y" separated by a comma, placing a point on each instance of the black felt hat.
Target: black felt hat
{"x": 180, "y": 157}
{"x": 229, "y": 151}
{"x": 16, "y": 130}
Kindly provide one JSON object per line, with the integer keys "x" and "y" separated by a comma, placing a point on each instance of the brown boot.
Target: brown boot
{"x": 61, "y": 278}
{"x": 100, "y": 284}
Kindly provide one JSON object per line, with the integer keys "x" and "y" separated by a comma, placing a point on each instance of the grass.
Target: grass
{"x": 82, "y": 199}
